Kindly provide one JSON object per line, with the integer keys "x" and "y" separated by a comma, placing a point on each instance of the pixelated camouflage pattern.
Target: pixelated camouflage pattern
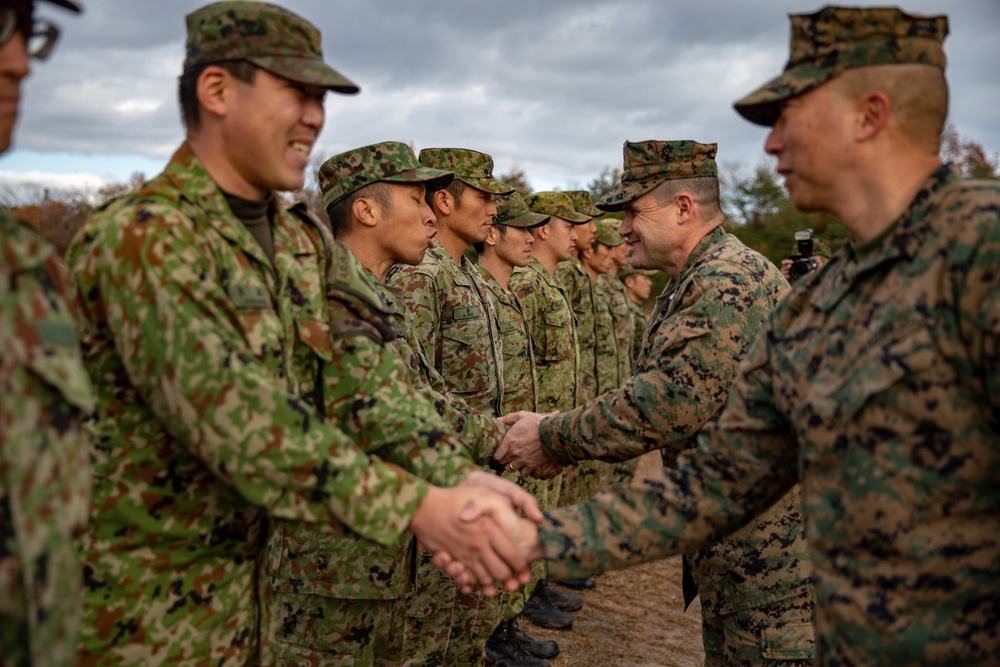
{"x": 456, "y": 325}
{"x": 513, "y": 212}
{"x": 204, "y": 356}
{"x": 607, "y": 234}
{"x": 366, "y": 391}
{"x": 703, "y": 324}
{"x": 391, "y": 161}
{"x": 649, "y": 163}
{"x": 269, "y": 36}
{"x": 470, "y": 167}
{"x": 583, "y": 204}
{"x": 779, "y": 634}
{"x": 556, "y": 204}
{"x": 44, "y": 459}
{"x": 876, "y": 381}
{"x": 826, "y": 43}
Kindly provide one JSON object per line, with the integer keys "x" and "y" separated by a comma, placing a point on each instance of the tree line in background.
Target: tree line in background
{"x": 756, "y": 205}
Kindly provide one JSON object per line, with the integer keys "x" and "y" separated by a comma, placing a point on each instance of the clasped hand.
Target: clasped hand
{"x": 522, "y": 450}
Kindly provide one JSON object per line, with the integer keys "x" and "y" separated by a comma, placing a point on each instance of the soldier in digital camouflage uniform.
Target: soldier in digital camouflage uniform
{"x": 875, "y": 381}
{"x": 44, "y": 395}
{"x": 506, "y": 247}
{"x": 756, "y": 582}
{"x": 552, "y": 327}
{"x": 205, "y": 326}
{"x": 459, "y": 332}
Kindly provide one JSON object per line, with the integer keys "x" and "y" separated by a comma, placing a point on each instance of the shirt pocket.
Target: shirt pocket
{"x": 557, "y": 334}
{"x": 56, "y": 360}
{"x": 465, "y": 342}
{"x": 514, "y": 341}
{"x": 792, "y": 641}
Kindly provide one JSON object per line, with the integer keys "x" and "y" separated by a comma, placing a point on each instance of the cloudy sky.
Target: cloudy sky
{"x": 553, "y": 87}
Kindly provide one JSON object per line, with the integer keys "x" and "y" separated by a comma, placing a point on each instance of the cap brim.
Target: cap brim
{"x": 763, "y": 106}
{"x": 307, "y": 70}
{"x": 433, "y": 179}
{"x": 490, "y": 185}
{"x": 526, "y": 220}
{"x": 624, "y": 192}
{"x": 72, "y": 6}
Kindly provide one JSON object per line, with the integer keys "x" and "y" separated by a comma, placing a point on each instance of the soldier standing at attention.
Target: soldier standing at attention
{"x": 339, "y": 595}
{"x": 598, "y": 262}
{"x": 44, "y": 395}
{"x": 458, "y": 327}
{"x": 205, "y": 325}
{"x": 756, "y": 582}
{"x": 553, "y": 334}
{"x": 876, "y": 381}
{"x": 638, "y": 286}
{"x": 506, "y": 247}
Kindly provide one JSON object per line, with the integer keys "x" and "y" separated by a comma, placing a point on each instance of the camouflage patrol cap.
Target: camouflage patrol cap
{"x": 471, "y": 167}
{"x": 582, "y": 203}
{"x": 270, "y": 37}
{"x": 389, "y": 161}
{"x": 607, "y": 234}
{"x": 557, "y": 204}
{"x": 649, "y": 163}
{"x": 629, "y": 270}
{"x": 513, "y": 212}
{"x": 834, "y": 39}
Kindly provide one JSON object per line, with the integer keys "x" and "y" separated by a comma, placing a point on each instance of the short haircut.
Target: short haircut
{"x": 480, "y": 246}
{"x": 456, "y": 188}
{"x": 918, "y": 95}
{"x": 703, "y": 189}
{"x": 187, "y": 87}
{"x": 341, "y": 213}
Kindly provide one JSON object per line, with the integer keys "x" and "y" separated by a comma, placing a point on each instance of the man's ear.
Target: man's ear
{"x": 543, "y": 232}
{"x": 443, "y": 202}
{"x": 685, "y": 207}
{"x": 366, "y": 211}
{"x": 215, "y": 90}
{"x": 491, "y": 237}
{"x": 874, "y": 111}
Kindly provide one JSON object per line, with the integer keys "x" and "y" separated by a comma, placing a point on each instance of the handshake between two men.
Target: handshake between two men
{"x": 476, "y": 530}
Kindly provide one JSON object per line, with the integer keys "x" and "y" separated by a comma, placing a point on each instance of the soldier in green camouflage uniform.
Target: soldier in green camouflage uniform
{"x": 44, "y": 395}
{"x": 708, "y": 315}
{"x": 638, "y": 284}
{"x": 599, "y": 263}
{"x": 875, "y": 382}
{"x": 459, "y": 332}
{"x": 205, "y": 340}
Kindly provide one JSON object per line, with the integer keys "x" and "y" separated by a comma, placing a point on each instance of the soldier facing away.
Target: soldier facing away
{"x": 44, "y": 395}
{"x": 876, "y": 382}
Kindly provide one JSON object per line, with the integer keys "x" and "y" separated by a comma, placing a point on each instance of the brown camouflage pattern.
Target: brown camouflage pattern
{"x": 583, "y": 203}
{"x": 469, "y": 166}
{"x": 45, "y": 479}
{"x": 649, "y": 163}
{"x": 834, "y": 39}
{"x": 513, "y": 212}
{"x": 556, "y": 204}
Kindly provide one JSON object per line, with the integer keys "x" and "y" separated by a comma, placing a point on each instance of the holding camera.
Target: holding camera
{"x": 808, "y": 259}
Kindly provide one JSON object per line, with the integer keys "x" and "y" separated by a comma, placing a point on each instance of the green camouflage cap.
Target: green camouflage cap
{"x": 391, "y": 161}
{"x": 270, "y": 37}
{"x": 649, "y": 163}
{"x": 629, "y": 270}
{"x": 555, "y": 203}
{"x": 471, "y": 167}
{"x": 607, "y": 235}
{"x": 582, "y": 203}
{"x": 834, "y": 39}
{"x": 513, "y": 212}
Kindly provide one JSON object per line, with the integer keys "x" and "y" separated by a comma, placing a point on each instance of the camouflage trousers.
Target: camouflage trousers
{"x": 317, "y": 631}
{"x": 512, "y": 603}
{"x": 779, "y": 633}
{"x": 443, "y": 627}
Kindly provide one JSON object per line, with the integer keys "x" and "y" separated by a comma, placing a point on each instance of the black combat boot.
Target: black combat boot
{"x": 503, "y": 650}
{"x": 578, "y": 584}
{"x": 541, "y": 611}
{"x": 540, "y": 648}
{"x": 561, "y": 601}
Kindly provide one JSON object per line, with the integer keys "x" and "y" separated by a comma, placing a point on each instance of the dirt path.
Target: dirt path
{"x": 632, "y": 618}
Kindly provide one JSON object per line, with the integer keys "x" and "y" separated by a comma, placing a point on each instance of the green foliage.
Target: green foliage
{"x": 517, "y": 179}
{"x": 970, "y": 157}
{"x": 600, "y": 186}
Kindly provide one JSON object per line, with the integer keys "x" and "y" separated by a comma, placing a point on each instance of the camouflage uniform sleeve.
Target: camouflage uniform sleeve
{"x": 148, "y": 275}
{"x": 367, "y": 391}
{"x": 695, "y": 354}
{"x": 743, "y": 464}
{"x": 420, "y": 294}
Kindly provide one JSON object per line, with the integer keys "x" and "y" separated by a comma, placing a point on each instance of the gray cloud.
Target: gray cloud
{"x": 553, "y": 87}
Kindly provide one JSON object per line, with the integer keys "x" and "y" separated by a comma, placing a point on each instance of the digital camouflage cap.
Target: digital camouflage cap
{"x": 557, "y": 204}
{"x": 513, "y": 212}
{"x": 469, "y": 166}
{"x": 649, "y": 163}
{"x": 607, "y": 235}
{"x": 834, "y": 39}
{"x": 582, "y": 203}
{"x": 270, "y": 37}
{"x": 390, "y": 161}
